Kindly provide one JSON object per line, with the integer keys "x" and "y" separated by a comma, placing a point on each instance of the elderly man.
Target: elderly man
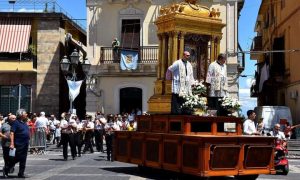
{"x": 277, "y": 133}
{"x": 182, "y": 79}
{"x": 5, "y": 142}
{"x": 217, "y": 82}
{"x": 19, "y": 136}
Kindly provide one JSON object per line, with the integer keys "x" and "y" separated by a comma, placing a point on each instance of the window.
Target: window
{"x": 9, "y": 98}
{"x": 130, "y": 38}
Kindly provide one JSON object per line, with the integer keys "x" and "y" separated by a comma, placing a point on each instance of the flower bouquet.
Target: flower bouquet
{"x": 198, "y": 88}
{"x": 194, "y": 103}
{"x": 230, "y": 104}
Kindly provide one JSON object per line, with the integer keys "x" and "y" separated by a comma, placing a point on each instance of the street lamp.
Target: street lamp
{"x": 69, "y": 66}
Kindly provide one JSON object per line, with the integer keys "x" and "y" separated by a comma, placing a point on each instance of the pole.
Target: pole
{"x": 71, "y": 105}
{"x": 9, "y": 99}
{"x": 19, "y": 98}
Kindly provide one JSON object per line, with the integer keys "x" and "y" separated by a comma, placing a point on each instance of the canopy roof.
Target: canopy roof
{"x": 189, "y": 17}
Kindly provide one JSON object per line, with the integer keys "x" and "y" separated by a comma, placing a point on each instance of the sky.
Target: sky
{"x": 246, "y": 34}
{"x": 77, "y": 10}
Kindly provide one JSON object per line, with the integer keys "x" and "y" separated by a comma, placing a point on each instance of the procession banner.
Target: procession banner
{"x": 74, "y": 89}
{"x": 129, "y": 59}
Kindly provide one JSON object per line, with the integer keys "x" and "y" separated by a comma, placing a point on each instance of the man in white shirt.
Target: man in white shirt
{"x": 249, "y": 125}
{"x": 216, "y": 80}
{"x": 181, "y": 72}
{"x": 89, "y": 131}
{"x": 42, "y": 121}
{"x": 277, "y": 133}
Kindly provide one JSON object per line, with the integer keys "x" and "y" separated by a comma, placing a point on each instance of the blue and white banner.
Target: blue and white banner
{"x": 74, "y": 89}
{"x": 129, "y": 60}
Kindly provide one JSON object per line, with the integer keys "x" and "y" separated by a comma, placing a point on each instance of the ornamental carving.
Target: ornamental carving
{"x": 190, "y": 7}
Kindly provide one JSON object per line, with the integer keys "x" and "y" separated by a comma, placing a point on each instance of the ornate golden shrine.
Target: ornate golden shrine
{"x": 175, "y": 24}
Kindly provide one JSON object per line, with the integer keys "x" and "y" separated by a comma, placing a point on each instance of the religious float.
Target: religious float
{"x": 191, "y": 144}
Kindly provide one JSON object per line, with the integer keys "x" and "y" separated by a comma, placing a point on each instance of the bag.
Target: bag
{"x": 12, "y": 152}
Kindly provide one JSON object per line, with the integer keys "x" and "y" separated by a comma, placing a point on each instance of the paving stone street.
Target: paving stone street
{"x": 95, "y": 166}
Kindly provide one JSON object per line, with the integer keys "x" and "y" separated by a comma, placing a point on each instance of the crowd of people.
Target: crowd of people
{"x": 30, "y": 132}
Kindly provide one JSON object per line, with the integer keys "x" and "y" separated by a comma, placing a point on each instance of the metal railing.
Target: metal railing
{"x": 37, "y": 6}
{"x": 147, "y": 55}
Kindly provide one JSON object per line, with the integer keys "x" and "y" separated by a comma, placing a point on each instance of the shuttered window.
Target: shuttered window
{"x": 130, "y": 37}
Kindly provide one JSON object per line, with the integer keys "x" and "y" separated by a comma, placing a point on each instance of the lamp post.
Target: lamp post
{"x": 69, "y": 68}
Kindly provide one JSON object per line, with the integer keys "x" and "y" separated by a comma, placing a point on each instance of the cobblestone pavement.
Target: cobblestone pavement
{"x": 94, "y": 166}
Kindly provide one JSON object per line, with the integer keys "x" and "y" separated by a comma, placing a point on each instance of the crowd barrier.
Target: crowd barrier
{"x": 38, "y": 137}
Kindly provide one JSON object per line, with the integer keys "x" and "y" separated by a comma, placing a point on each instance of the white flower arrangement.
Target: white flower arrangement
{"x": 194, "y": 101}
{"x": 198, "y": 88}
{"x": 230, "y": 103}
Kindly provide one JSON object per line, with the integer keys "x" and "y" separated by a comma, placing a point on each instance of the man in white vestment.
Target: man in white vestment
{"x": 182, "y": 79}
{"x": 217, "y": 82}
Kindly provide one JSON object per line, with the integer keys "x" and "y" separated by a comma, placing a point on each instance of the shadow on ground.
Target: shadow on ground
{"x": 151, "y": 173}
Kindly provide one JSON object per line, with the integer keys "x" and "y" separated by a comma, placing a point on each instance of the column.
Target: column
{"x": 181, "y": 47}
{"x": 170, "y": 49}
{"x": 217, "y": 43}
{"x": 163, "y": 57}
{"x": 212, "y": 49}
{"x": 159, "y": 56}
{"x": 175, "y": 45}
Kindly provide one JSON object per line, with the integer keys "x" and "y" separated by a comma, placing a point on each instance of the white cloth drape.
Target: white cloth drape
{"x": 74, "y": 89}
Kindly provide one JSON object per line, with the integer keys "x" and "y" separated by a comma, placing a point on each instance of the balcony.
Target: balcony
{"x": 148, "y": 58}
{"x": 241, "y": 60}
{"x": 17, "y": 62}
{"x": 256, "y": 46}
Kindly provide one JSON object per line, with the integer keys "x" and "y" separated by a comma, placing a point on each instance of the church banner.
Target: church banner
{"x": 129, "y": 59}
{"x": 74, "y": 89}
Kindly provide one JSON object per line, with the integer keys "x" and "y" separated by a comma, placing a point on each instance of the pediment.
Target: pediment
{"x": 131, "y": 11}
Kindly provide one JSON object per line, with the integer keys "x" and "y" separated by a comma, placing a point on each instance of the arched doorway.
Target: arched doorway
{"x": 130, "y": 98}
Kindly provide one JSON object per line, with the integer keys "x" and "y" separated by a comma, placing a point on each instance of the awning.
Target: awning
{"x": 14, "y": 34}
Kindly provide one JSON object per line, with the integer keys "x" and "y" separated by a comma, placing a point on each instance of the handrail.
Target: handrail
{"x": 38, "y": 6}
{"x": 147, "y": 55}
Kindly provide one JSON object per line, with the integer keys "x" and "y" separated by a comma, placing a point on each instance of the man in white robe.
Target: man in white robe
{"x": 217, "y": 82}
{"x": 182, "y": 79}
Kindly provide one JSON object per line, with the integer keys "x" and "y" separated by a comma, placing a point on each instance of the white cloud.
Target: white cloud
{"x": 250, "y": 81}
{"x": 246, "y": 101}
{"x": 29, "y": 10}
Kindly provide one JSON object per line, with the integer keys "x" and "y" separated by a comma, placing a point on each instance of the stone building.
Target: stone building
{"x": 133, "y": 23}
{"x": 34, "y": 65}
{"x": 277, "y": 40}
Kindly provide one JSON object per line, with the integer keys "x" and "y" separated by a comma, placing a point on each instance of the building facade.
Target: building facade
{"x": 277, "y": 40}
{"x": 133, "y": 23}
{"x": 35, "y": 64}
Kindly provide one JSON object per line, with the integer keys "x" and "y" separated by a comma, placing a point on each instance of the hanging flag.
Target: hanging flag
{"x": 129, "y": 59}
{"x": 74, "y": 89}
